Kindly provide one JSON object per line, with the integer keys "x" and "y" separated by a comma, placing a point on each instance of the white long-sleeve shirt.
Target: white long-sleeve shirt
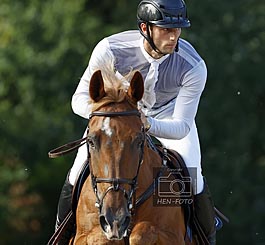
{"x": 172, "y": 96}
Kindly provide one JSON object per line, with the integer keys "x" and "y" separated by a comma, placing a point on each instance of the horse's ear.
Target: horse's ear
{"x": 96, "y": 86}
{"x": 136, "y": 89}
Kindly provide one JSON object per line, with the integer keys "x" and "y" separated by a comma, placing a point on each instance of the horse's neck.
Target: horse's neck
{"x": 151, "y": 161}
{"x": 152, "y": 158}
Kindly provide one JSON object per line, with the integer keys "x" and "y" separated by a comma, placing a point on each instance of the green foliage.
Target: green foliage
{"x": 44, "y": 49}
{"x": 230, "y": 36}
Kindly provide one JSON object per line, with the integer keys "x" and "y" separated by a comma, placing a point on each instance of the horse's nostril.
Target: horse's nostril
{"x": 126, "y": 223}
{"x": 104, "y": 224}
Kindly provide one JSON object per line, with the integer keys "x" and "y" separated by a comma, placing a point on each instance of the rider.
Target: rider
{"x": 174, "y": 77}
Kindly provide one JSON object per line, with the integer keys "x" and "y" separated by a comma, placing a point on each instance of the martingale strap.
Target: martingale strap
{"x": 58, "y": 233}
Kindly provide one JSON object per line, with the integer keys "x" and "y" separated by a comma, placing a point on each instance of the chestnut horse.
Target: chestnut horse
{"x": 121, "y": 170}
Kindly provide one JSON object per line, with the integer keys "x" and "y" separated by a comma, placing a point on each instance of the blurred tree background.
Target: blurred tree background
{"x": 44, "y": 49}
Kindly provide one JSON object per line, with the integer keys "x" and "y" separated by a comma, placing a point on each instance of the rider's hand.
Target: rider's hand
{"x": 145, "y": 121}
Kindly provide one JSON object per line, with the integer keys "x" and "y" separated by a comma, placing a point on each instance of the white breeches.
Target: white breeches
{"x": 188, "y": 148}
{"x": 80, "y": 158}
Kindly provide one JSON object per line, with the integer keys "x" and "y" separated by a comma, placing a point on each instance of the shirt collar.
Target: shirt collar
{"x": 149, "y": 58}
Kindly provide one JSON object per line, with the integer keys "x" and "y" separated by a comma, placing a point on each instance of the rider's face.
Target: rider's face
{"x": 165, "y": 39}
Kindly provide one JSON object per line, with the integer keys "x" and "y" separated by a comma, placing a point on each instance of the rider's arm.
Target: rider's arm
{"x": 81, "y": 101}
{"x": 185, "y": 107}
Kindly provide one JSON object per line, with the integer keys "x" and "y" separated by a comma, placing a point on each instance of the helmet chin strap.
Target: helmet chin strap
{"x": 150, "y": 40}
{"x": 177, "y": 46}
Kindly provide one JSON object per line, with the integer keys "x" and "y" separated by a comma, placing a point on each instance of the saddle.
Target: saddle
{"x": 175, "y": 163}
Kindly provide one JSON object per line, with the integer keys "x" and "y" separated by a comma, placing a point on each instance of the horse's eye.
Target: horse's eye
{"x": 91, "y": 141}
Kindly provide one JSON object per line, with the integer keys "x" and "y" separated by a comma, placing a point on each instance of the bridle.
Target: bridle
{"x": 117, "y": 182}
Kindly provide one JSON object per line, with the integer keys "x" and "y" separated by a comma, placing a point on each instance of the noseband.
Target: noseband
{"x": 116, "y": 182}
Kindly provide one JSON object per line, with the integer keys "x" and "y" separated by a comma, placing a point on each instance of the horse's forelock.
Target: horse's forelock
{"x": 115, "y": 87}
{"x": 112, "y": 96}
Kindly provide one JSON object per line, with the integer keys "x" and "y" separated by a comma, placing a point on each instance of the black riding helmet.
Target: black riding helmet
{"x": 162, "y": 13}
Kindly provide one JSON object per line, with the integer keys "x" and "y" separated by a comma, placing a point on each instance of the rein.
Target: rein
{"x": 69, "y": 147}
{"x": 115, "y": 114}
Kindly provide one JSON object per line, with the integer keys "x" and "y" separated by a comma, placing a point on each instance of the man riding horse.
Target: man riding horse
{"x": 174, "y": 79}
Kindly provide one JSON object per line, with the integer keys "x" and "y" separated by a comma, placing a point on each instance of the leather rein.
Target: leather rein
{"x": 69, "y": 147}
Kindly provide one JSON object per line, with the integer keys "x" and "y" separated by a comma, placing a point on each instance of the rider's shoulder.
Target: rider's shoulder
{"x": 125, "y": 37}
{"x": 188, "y": 52}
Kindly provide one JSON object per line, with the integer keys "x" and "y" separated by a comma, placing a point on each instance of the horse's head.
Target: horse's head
{"x": 116, "y": 142}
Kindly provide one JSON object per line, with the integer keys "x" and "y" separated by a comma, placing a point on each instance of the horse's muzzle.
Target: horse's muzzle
{"x": 115, "y": 224}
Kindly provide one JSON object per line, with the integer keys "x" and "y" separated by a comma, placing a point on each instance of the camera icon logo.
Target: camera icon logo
{"x": 174, "y": 185}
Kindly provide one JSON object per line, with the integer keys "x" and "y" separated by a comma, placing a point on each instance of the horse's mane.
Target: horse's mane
{"x": 115, "y": 85}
